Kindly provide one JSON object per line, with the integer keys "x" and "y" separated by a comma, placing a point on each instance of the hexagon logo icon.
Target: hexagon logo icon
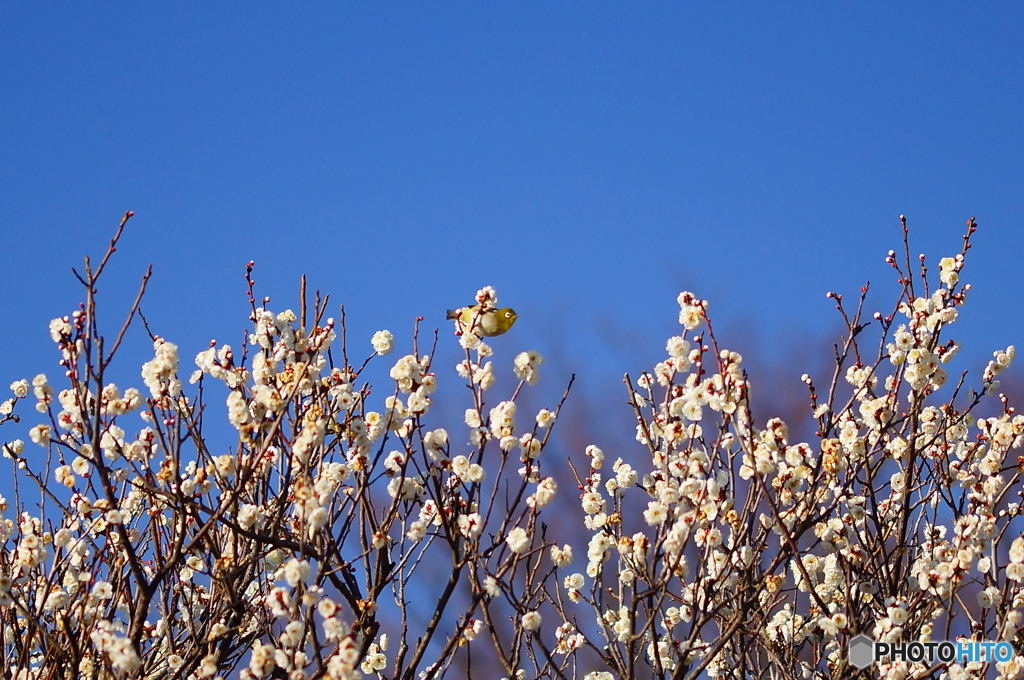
{"x": 862, "y": 651}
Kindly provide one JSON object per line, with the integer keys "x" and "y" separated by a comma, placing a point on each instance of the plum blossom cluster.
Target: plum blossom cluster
{"x": 736, "y": 551}
{"x": 292, "y": 543}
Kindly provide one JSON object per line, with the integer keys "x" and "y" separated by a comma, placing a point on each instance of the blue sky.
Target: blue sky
{"x": 589, "y": 160}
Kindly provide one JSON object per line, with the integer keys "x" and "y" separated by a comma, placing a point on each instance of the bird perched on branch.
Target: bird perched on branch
{"x": 483, "y": 322}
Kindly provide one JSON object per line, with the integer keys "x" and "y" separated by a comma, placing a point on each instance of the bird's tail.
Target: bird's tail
{"x": 452, "y": 314}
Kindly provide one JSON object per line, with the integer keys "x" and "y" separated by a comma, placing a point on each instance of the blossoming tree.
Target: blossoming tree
{"x": 317, "y": 545}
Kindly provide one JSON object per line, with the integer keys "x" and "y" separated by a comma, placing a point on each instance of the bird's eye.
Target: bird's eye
{"x": 508, "y": 314}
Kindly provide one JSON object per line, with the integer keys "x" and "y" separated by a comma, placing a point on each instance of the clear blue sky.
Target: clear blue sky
{"x": 587, "y": 159}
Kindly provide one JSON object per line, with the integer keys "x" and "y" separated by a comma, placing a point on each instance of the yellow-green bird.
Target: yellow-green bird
{"x": 486, "y": 323}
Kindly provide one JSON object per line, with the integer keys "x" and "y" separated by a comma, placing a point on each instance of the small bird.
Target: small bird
{"x": 486, "y": 323}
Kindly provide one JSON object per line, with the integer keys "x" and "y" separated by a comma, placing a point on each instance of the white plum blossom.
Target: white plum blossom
{"x": 545, "y": 494}
{"x": 159, "y": 373}
{"x": 545, "y": 418}
{"x": 527, "y": 366}
{"x": 20, "y": 388}
{"x": 518, "y": 540}
{"x": 297, "y": 571}
{"x": 383, "y": 342}
{"x": 691, "y": 310}
{"x": 531, "y": 620}
{"x": 561, "y": 557}
{"x": 40, "y": 434}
